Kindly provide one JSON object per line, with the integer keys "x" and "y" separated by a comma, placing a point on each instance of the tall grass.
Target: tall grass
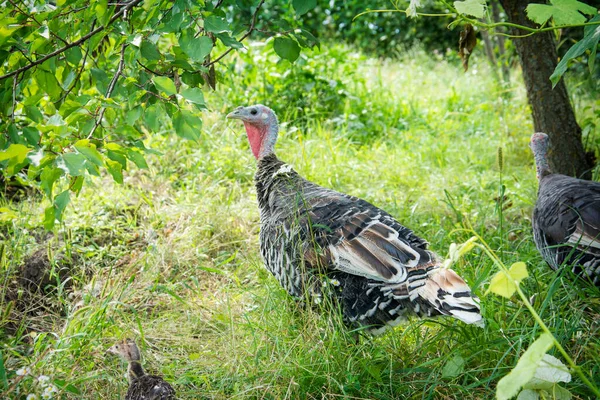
{"x": 171, "y": 256}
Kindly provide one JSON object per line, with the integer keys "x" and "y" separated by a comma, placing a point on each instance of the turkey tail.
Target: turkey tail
{"x": 450, "y": 295}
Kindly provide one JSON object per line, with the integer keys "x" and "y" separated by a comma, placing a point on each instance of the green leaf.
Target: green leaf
{"x": 475, "y": 8}
{"x": 454, "y": 367}
{"x": 193, "y": 95}
{"x": 286, "y": 48}
{"x": 151, "y": 117}
{"x": 525, "y": 369}
{"x": 49, "y": 219}
{"x": 164, "y": 84}
{"x": 48, "y": 176}
{"x": 117, "y": 156}
{"x": 60, "y": 203}
{"x": 89, "y": 151}
{"x": 589, "y": 42}
{"x": 15, "y": 150}
{"x": 549, "y": 371}
{"x": 133, "y": 115}
{"x": 48, "y": 83}
{"x": 187, "y": 125}
{"x": 229, "y": 41}
{"x": 73, "y": 55}
{"x": 149, "y": 51}
{"x": 564, "y": 12}
{"x": 216, "y": 24}
{"x": 503, "y": 284}
{"x": 303, "y": 6}
{"x": 34, "y": 114}
{"x": 196, "y": 48}
{"x": 32, "y": 136}
{"x": 75, "y": 163}
{"x": 137, "y": 158}
{"x": 115, "y": 169}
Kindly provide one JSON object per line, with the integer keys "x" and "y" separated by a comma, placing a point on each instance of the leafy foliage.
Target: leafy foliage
{"x": 475, "y": 8}
{"x": 564, "y": 12}
{"x": 588, "y": 43}
{"x": 82, "y": 86}
{"x": 525, "y": 369}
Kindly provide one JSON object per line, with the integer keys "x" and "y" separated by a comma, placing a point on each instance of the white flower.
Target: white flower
{"x": 49, "y": 391}
{"x": 32, "y": 397}
{"x": 412, "y": 8}
{"x": 23, "y": 371}
{"x": 43, "y": 379}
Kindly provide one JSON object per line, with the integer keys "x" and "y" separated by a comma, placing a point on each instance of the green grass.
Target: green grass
{"x": 171, "y": 256}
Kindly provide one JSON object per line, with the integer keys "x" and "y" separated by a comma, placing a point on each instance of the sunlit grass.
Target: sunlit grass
{"x": 171, "y": 256}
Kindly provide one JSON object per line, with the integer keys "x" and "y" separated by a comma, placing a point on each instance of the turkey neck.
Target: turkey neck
{"x": 263, "y": 179}
{"x": 541, "y": 161}
{"x": 135, "y": 370}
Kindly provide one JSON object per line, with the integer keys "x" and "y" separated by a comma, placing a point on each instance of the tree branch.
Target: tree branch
{"x": 151, "y": 71}
{"x": 109, "y": 90}
{"x": 248, "y": 32}
{"x": 64, "y": 96}
{"x": 14, "y": 98}
{"x": 118, "y": 15}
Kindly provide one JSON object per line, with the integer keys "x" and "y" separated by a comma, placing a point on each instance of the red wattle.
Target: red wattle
{"x": 255, "y": 137}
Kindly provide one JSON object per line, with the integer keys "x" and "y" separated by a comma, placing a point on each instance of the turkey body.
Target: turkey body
{"x": 318, "y": 242}
{"x": 150, "y": 387}
{"x": 566, "y": 224}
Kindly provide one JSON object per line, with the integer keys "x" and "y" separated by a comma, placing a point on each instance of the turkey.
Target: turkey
{"x": 566, "y": 217}
{"x": 141, "y": 385}
{"x": 318, "y": 242}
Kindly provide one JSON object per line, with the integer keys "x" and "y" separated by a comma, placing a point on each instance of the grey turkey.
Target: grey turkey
{"x": 318, "y": 242}
{"x": 566, "y": 217}
{"x": 141, "y": 385}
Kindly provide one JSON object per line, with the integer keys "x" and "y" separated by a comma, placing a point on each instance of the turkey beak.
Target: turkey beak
{"x": 238, "y": 113}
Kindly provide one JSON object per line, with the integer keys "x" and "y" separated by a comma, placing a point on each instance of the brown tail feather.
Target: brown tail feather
{"x": 450, "y": 295}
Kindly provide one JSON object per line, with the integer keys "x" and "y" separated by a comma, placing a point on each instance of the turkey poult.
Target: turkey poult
{"x": 566, "y": 217}
{"x": 319, "y": 242}
{"x": 141, "y": 385}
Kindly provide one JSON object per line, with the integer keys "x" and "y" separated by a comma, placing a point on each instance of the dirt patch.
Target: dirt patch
{"x": 38, "y": 274}
{"x": 31, "y": 294}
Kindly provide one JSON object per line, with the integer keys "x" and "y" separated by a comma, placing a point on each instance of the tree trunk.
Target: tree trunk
{"x": 551, "y": 108}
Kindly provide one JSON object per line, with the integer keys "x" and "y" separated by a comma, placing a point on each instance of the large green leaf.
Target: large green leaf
{"x": 149, "y": 50}
{"x": 75, "y": 163}
{"x": 137, "y": 158}
{"x": 196, "y": 48}
{"x": 286, "y": 48}
{"x": 17, "y": 151}
{"x": 48, "y": 177}
{"x": 164, "y": 84}
{"x": 564, "y": 12}
{"x": 216, "y": 24}
{"x": 303, "y": 6}
{"x": 589, "y": 42}
{"x": 194, "y": 95}
{"x": 115, "y": 169}
{"x": 525, "y": 369}
{"x": 475, "y": 8}
{"x": 187, "y": 125}
{"x": 89, "y": 151}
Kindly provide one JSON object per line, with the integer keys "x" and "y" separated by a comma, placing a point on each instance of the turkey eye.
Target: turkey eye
{"x": 253, "y": 112}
